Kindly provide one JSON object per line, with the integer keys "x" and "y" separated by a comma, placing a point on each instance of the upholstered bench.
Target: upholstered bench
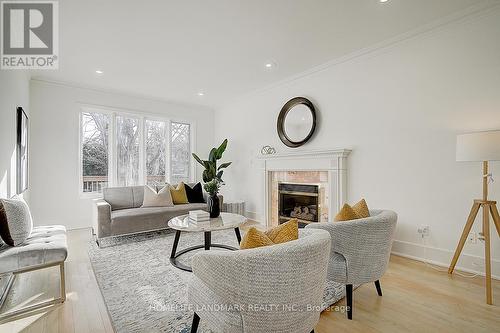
{"x": 46, "y": 247}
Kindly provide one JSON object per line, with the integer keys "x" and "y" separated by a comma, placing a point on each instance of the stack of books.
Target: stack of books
{"x": 199, "y": 216}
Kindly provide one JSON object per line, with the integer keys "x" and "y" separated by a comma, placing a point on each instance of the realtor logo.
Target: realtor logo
{"x": 29, "y": 35}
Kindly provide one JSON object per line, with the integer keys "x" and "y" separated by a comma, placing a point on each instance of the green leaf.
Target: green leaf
{"x": 198, "y": 159}
{"x": 221, "y": 149}
{"x": 219, "y": 175}
{"x": 205, "y": 176}
{"x": 213, "y": 155}
{"x": 224, "y": 165}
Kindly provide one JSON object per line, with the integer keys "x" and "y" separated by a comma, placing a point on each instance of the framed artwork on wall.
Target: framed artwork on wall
{"x": 22, "y": 151}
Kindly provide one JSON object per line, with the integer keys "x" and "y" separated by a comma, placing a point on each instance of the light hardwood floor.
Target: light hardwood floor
{"x": 415, "y": 298}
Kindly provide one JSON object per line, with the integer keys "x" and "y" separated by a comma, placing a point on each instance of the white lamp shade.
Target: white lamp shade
{"x": 479, "y": 146}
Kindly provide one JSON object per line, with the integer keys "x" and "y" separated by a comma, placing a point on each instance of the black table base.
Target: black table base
{"x": 174, "y": 255}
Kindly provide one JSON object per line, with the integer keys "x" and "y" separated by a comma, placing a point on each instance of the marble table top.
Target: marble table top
{"x": 224, "y": 221}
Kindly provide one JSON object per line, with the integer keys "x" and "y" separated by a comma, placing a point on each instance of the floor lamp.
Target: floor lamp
{"x": 482, "y": 147}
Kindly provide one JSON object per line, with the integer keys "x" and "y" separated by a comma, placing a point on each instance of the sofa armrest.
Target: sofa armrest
{"x": 101, "y": 218}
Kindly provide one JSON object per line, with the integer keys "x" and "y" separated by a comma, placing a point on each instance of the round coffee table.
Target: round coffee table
{"x": 183, "y": 223}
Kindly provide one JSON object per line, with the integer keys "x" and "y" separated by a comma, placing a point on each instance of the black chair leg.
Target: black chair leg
{"x": 379, "y": 290}
{"x": 348, "y": 293}
{"x": 196, "y": 321}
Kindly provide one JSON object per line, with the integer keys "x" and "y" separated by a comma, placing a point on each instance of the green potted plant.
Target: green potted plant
{"x": 212, "y": 176}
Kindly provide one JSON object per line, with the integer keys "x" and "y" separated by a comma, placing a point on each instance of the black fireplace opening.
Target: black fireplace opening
{"x": 300, "y": 201}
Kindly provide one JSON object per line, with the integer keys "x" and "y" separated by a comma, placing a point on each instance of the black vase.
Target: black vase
{"x": 213, "y": 205}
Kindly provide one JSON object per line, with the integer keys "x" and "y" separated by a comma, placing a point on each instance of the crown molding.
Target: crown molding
{"x": 476, "y": 11}
{"x": 74, "y": 85}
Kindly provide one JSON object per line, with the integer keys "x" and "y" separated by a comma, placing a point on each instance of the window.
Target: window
{"x": 127, "y": 151}
{"x": 180, "y": 152}
{"x": 119, "y": 149}
{"x": 95, "y": 136}
{"x": 156, "y": 144}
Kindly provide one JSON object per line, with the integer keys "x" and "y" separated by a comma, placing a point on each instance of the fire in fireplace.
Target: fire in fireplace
{"x": 300, "y": 201}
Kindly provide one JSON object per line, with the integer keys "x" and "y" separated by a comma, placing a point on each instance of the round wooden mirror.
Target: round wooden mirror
{"x": 296, "y": 122}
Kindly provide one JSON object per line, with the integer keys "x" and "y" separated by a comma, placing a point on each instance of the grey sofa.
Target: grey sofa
{"x": 119, "y": 212}
{"x": 276, "y": 288}
{"x": 360, "y": 250}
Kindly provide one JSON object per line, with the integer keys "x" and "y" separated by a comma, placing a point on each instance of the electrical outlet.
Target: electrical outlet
{"x": 472, "y": 239}
{"x": 423, "y": 230}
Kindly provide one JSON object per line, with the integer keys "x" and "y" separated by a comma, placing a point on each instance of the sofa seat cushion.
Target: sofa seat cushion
{"x": 126, "y": 221}
{"x": 46, "y": 245}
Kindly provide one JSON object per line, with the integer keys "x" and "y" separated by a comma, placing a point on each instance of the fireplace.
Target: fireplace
{"x": 310, "y": 185}
{"x": 300, "y": 201}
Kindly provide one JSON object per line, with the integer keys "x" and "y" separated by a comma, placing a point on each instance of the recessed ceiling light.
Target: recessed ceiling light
{"x": 99, "y": 72}
{"x": 201, "y": 93}
{"x": 270, "y": 65}
{"x": 383, "y": 1}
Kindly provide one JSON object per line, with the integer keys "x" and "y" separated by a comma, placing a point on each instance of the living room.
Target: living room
{"x": 364, "y": 131}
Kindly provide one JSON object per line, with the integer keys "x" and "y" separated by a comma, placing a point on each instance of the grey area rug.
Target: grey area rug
{"x": 144, "y": 292}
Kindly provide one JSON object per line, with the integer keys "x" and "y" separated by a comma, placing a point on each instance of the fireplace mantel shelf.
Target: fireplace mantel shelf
{"x": 308, "y": 154}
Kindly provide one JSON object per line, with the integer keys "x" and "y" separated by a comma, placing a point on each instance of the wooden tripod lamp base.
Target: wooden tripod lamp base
{"x": 489, "y": 207}
{"x": 476, "y": 147}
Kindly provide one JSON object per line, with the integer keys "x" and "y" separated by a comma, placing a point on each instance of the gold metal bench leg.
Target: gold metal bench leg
{"x": 39, "y": 307}
{"x": 63, "y": 282}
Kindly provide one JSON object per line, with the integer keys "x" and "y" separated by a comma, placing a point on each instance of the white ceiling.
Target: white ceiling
{"x": 171, "y": 49}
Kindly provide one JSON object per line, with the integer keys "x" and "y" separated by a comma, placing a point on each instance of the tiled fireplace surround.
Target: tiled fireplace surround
{"x": 325, "y": 168}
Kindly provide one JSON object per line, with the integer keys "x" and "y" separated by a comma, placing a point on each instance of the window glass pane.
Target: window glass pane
{"x": 95, "y": 136}
{"x": 180, "y": 153}
{"x": 127, "y": 151}
{"x": 156, "y": 141}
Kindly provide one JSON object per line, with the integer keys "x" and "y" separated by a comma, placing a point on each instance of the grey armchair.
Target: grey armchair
{"x": 360, "y": 250}
{"x": 277, "y": 288}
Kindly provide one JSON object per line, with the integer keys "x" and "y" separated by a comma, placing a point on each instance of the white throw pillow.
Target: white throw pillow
{"x": 16, "y": 222}
{"x": 162, "y": 198}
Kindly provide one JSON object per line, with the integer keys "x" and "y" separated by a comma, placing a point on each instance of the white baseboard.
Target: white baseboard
{"x": 442, "y": 257}
{"x": 254, "y": 217}
{"x": 433, "y": 255}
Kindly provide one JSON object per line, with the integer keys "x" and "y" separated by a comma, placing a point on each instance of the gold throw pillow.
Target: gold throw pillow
{"x": 179, "y": 195}
{"x": 361, "y": 209}
{"x": 346, "y": 214}
{"x": 283, "y": 233}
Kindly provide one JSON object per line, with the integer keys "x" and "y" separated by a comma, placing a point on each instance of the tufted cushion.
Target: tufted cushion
{"x": 45, "y": 245}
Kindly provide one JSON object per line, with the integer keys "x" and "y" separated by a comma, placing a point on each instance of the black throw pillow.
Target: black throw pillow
{"x": 194, "y": 194}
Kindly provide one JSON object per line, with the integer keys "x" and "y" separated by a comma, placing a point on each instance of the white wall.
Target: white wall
{"x": 14, "y": 92}
{"x": 399, "y": 109}
{"x": 54, "y": 195}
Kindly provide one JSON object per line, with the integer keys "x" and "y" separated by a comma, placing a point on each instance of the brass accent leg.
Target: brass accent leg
{"x": 470, "y": 221}
{"x": 38, "y": 307}
{"x": 63, "y": 282}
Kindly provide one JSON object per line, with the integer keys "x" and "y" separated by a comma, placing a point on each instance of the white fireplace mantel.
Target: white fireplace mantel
{"x": 332, "y": 161}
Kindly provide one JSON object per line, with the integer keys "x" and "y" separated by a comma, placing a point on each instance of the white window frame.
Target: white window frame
{"x": 112, "y": 142}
